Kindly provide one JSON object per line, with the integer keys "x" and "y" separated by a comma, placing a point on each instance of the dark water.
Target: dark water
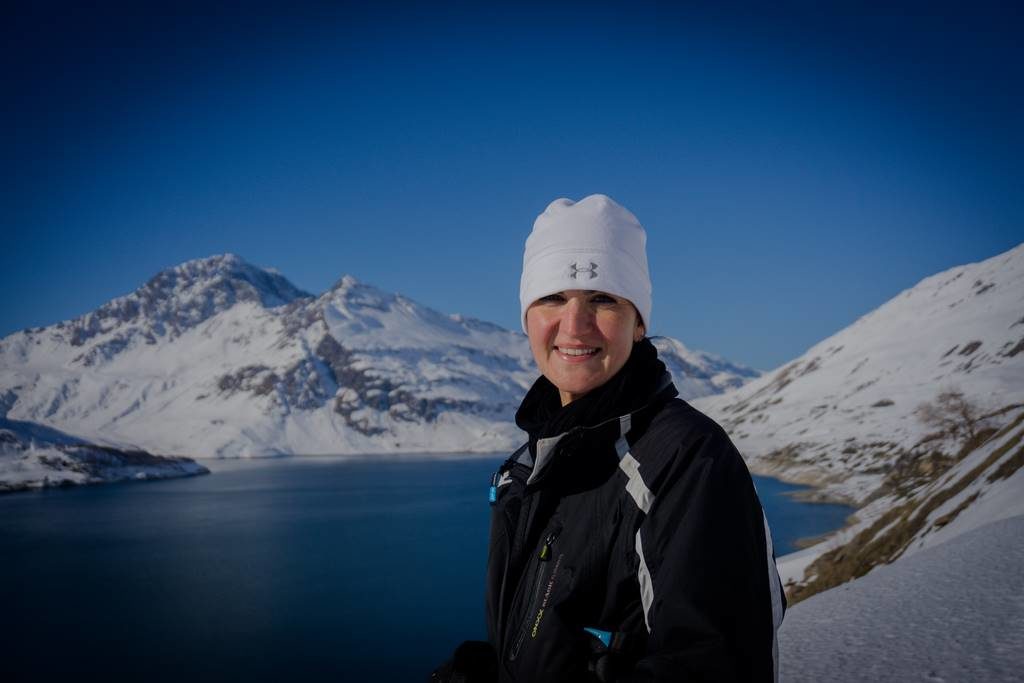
{"x": 300, "y": 569}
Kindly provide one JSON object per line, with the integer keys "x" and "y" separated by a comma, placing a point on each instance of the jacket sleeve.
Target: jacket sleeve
{"x": 710, "y": 592}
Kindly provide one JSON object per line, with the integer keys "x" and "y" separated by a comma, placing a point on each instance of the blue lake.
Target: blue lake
{"x": 307, "y": 568}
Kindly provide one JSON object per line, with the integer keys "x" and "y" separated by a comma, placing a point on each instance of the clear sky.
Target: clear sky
{"x": 794, "y": 166}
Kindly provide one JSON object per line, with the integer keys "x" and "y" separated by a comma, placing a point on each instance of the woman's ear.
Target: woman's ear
{"x": 639, "y": 332}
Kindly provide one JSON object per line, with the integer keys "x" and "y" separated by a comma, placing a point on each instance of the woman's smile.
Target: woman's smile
{"x": 577, "y": 353}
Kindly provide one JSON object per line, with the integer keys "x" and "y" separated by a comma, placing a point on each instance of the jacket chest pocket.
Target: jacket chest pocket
{"x": 548, "y": 582}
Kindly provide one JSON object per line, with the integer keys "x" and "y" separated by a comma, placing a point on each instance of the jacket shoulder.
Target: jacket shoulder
{"x": 679, "y": 422}
{"x": 676, "y": 435}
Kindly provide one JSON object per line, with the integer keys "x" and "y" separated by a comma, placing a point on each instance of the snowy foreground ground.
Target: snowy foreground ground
{"x": 953, "y": 612}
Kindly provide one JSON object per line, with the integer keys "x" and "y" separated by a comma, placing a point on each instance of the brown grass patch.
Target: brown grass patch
{"x": 901, "y": 525}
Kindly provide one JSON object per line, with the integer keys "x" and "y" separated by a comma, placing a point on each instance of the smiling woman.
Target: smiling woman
{"x": 627, "y": 541}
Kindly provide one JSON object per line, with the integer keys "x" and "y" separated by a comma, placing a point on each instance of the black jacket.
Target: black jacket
{"x": 633, "y": 548}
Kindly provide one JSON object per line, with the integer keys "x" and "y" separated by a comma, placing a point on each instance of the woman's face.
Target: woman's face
{"x": 581, "y": 338}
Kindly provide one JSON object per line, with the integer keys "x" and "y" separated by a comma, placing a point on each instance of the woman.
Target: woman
{"x": 627, "y": 541}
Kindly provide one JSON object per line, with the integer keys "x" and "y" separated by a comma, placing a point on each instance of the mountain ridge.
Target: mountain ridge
{"x": 913, "y": 414}
{"x": 847, "y": 411}
{"x": 219, "y": 358}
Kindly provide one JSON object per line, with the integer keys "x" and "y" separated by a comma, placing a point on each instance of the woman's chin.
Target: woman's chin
{"x": 574, "y": 389}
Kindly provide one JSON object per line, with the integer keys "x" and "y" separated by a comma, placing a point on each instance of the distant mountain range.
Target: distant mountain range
{"x": 219, "y": 358}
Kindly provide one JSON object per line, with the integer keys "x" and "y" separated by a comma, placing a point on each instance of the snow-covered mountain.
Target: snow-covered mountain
{"x": 894, "y": 397}
{"x": 699, "y": 373}
{"x": 914, "y": 413}
{"x": 219, "y": 358}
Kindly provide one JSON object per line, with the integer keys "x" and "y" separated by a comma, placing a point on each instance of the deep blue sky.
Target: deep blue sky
{"x": 794, "y": 168}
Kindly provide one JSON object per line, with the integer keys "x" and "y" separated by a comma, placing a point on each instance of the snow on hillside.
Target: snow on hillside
{"x": 914, "y": 414}
{"x": 33, "y": 457}
{"x": 953, "y": 612}
{"x": 936, "y": 589}
{"x": 219, "y": 358}
{"x": 698, "y": 373}
{"x": 846, "y": 413}
{"x": 986, "y": 484}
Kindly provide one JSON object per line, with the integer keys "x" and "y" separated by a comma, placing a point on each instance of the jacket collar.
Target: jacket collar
{"x": 547, "y": 448}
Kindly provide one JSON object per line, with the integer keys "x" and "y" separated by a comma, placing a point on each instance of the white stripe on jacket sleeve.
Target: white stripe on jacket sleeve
{"x": 646, "y": 584}
{"x": 776, "y": 588}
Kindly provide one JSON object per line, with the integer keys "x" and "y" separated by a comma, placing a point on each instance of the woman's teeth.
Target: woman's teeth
{"x": 578, "y": 352}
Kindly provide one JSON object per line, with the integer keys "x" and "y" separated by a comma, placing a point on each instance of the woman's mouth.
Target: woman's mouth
{"x": 577, "y": 352}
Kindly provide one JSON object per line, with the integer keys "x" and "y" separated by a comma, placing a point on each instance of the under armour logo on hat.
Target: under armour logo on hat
{"x": 575, "y": 270}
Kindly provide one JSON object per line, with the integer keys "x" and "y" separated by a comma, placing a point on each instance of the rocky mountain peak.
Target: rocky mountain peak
{"x": 174, "y": 300}
{"x": 227, "y": 277}
{"x": 346, "y": 282}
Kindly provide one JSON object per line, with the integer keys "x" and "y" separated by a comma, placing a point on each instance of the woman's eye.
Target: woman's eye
{"x": 603, "y": 299}
{"x": 552, "y": 299}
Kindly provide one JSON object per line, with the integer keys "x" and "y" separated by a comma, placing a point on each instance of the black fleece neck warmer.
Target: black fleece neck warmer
{"x": 542, "y": 415}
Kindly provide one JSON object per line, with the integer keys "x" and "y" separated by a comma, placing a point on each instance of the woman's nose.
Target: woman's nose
{"x": 577, "y": 318}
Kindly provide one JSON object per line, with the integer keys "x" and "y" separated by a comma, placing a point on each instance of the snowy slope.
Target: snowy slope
{"x": 846, "y": 412}
{"x": 937, "y": 590}
{"x": 985, "y": 485}
{"x": 915, "y": 413}
{"x": 219, "y": 358}
{"x": 33, "y": 457}
{"x": 953, "y": 612}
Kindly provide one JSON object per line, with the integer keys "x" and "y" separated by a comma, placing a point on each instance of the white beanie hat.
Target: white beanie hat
{"x": 593, "y": 244}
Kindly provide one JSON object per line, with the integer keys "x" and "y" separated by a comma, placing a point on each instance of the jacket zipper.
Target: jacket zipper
{"x": 542, "y": 561}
